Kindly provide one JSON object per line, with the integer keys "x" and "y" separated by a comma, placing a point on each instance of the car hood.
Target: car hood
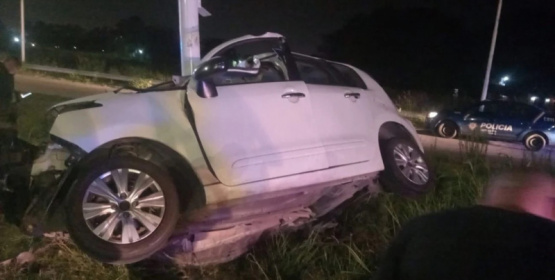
{"x": 98, "y": 98}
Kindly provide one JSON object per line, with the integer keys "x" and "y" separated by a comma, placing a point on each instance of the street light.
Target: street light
{"x": 16, "y": 39}
{"x": 140, "y": 51}
{"x": 504, "y": 80}
{"x": 491, "y": 51}
{"x": 22, "y": 10}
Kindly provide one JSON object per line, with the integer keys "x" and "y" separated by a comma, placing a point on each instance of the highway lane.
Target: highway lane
{"x": 27, "y": 83}
{"x": 515, "y": 151}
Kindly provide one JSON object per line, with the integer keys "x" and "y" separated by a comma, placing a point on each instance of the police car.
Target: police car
{"x": 497, "y": 120}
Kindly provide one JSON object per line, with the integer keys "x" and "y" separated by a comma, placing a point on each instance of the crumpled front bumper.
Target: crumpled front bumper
{"x": 35, "y": 187}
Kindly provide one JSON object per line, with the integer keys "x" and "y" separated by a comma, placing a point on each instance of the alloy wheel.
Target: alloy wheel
{"x": 123, "y": 206}
{"x": 411, "y": 164}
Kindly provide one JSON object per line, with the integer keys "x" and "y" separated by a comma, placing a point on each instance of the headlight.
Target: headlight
{"x": 432, "y": 115}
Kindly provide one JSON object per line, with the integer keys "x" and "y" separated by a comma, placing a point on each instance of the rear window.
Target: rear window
{"x": 348, "y": 76}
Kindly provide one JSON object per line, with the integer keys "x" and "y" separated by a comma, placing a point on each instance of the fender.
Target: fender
{"x": 156, "y": 116}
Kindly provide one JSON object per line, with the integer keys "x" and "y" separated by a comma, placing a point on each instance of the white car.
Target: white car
{"x": 258, "y": 138}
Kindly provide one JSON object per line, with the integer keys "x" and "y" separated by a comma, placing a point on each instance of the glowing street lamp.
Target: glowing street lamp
{"x": 504, "y": 80}
{"x": 140, "y": 51}
{"x": 16, "y": 39}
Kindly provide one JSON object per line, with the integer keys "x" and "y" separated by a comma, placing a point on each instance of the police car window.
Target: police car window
{"x": 487, "y": 108}
{"x": 519, "y": 110}
{"x": 347, "y": 76}
{"x": 312, "y": 73}
{"x": 272, "y": 65}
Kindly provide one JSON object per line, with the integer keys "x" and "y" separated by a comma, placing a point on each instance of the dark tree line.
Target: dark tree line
{"x": 425, "y": 49}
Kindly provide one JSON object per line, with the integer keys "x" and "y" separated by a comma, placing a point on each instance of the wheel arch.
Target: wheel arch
{"x": 390, "y": 130}
{"x": 528, "y": 133}
{"x": 185, "y": 179}
{"x": 457, "y": 125}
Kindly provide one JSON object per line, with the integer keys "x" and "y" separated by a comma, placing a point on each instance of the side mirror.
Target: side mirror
{"x": 206, "y": 89}
{"x": 211, "y": 67}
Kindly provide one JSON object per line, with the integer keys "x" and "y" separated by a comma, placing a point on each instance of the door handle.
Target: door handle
{"x": 294, "y": 94}
{"x": 353, "y": 95}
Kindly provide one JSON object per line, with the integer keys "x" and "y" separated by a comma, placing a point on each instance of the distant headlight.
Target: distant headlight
{"x": 432, "y": 115}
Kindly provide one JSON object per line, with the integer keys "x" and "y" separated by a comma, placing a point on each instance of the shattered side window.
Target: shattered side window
{"x": 272, "y": 65}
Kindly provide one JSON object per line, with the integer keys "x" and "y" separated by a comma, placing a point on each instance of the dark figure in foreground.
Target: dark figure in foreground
{"x": 510, "y": 236}
{"x": 15, "y": 154}
{"x": 8, "y": 98}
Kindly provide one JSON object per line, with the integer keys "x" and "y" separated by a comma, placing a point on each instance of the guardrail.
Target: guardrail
{"x": 79, "y": 72}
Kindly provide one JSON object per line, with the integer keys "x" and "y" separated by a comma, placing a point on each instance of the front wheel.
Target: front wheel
{"x": 447, "y": 129}
{"x": 122, "y": 210}
{"x": 407, "y": 172}
{"x": 535, "y": 142}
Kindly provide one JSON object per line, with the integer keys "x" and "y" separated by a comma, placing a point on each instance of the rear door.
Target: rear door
{"x": 342, "y": 115}
{"x": 258, "y": 127}
{"x": 480, "y": 119}
{"x": 514, "y": 120}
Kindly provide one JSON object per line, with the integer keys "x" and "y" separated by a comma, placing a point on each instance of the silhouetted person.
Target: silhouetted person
{"x": 510, "y": 236}
{"x": 8, "y": 98}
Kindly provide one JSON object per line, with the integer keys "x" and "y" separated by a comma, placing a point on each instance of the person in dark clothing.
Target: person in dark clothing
{"x": 510, "y": 236}
{"x": 8, "y": 98}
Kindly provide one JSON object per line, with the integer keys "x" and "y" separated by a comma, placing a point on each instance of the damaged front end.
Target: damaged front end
{"x": 33, "y": 188}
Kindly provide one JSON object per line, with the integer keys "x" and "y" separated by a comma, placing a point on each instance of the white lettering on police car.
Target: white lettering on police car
{"x": 491, "y": 126}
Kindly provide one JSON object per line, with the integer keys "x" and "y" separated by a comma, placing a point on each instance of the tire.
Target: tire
{"x": 447, "y": 129}
{"x": 400, "y": 176}
{"x": 534, "y": 142}
{"x": 146, "y": 232}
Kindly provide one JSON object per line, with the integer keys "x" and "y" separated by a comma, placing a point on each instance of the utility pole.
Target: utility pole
{"x": 189, "y": 34}
{"x": 22, "y": 41}
{"x": 491, "y": 52}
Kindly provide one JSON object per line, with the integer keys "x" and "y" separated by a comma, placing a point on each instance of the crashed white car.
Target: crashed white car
{"x": 258, "y": 138}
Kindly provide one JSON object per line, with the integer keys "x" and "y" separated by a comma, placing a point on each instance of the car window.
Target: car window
{"x": 312, "y": 72}
{"x": 524, "y": 111}
{"x": 485, "y": 108}
{"x": 272, "y": 63}
{"x": 347, "y": 76}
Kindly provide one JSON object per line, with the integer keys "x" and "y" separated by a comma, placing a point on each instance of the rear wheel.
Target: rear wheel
{"x": 123, "y": 210}
{"x": 535, "y": 142}
{"x": 447, "y": 129}
{"x": 407, "y": 172}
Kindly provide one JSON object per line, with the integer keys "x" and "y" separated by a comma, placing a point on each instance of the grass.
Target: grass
{"x": 349, "y": 250}
{"x": 32, "y": 124}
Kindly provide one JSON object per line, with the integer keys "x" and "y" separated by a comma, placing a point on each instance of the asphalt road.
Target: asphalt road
{"x": 515, "y": 151}
{"x": 44, "y": 85}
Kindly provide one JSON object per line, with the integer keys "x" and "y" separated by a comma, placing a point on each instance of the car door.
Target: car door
{"x": 514, "y": 120}
{"x": 479, "y": 119}
{"x": 341, "y": 112}
{"x": 258, "y": 127}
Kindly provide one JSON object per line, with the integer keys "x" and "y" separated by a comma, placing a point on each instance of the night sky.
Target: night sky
{"x": 302, "y": 21}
